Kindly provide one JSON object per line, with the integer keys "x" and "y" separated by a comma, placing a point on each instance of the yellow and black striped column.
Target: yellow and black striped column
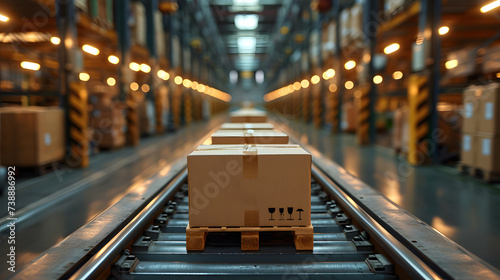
{"x": 363, "y": 115}
{"x": 78, "y": 125}
{"x": 160, "y": 97}
{"x": 333, "y": 111}
{"x": 188, "y": 106}
{"x": 317, "y": 108}
{"x": 306, "y": 104}
{"x": 419, "y": 113}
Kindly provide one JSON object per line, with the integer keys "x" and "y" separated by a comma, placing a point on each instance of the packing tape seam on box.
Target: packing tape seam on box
{"x": 239, "y": 147}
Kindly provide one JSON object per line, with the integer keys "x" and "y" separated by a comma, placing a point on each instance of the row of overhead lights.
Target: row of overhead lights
{"x": 397, "y": 75}
{"x": 328, "y": 74}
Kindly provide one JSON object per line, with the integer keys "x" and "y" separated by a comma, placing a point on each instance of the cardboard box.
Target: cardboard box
{"x": 487, "y": 153}
{"x": 471, "y": 106}
{"x": 243, "y": 126}
{"x": 249, "y": 136}
{"x": 248, "y": 117}
{"x": 31, "y": 136}
{"x": 241, "y": 185}
{"x": 489, "y": 110}
{"x": 109, "y": 139}
{"x": 468, "y": 151}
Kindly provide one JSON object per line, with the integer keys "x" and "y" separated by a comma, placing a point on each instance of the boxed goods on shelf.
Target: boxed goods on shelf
{"x": 489, "y": 110}
{"x": 243, "y": 126}
{"x": 249, "y": 136}
{"x": 40, "y": 141}
{"x": 487, "y": 152}
{"x": 249, "y": 185}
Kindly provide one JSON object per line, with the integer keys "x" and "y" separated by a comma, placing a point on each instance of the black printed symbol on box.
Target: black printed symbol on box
{"x": 300, "y": 213}
{"x": 290, "y": 211}
{"x": 282, "y": 210}
{"x": 271, "y": 210}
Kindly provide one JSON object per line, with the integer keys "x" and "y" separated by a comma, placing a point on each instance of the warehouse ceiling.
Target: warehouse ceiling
{"x": 247, "y": 28}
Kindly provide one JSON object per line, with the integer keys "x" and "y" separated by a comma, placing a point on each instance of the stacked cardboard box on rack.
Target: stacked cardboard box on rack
{"x": 40, "y": 141}
{"x": 108, "y": 121}
{"x": 481, "y": 128}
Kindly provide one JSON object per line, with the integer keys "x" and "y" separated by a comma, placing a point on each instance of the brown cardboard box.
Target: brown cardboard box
{"x": 468, "y": 151}
{"x": 471, "y": 106}
{"x": 489, "y": 110}
{"x": 243, "y": 126}
{"x": 487, "y": 153}
{"x": 31, "y": 136}
{"x": 247, "y": 116}
{"x": 240, "y": 185}
{"x": 249, "y": 136}
{"x": 109, "y": 139}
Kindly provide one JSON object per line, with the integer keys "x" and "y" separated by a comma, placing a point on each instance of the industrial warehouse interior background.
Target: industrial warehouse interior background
{"x": 270, "y": 139}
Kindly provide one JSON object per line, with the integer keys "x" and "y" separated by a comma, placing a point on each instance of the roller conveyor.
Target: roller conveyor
{"x": 349, "y": 243}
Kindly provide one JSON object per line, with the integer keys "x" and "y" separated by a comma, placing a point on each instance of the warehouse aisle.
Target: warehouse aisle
{"x": 464, "y": 209}
{"x": 53, "y": 206}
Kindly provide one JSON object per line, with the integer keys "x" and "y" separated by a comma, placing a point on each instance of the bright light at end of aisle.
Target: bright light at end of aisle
{"x": 30, "y": 65}
{"x": 111, "y": 81}
{"x": 90, "y": 49}
{"x": 113, "y": 59}
{"x": 443, "y": 30}
{"x": 350, "y": 64}
{"x": 490, "y": 6}
{"x": 315, "y": 79}
{"x": 3, "y": 18}
{"x": 178, "y": 80}
{"x": 84, "y": 76}
{"x": 55, "y": 40}
{"x": 391, "y": 48}
{"x": 397, "y": 75}
{"x": 349, "y": 85}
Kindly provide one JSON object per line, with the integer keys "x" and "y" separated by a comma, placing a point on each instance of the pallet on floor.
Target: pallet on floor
{"x": 481, "y": 174}
{"x": 302, "y": 236}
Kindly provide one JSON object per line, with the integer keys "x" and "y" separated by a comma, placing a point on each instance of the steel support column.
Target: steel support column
{"x": 423, "y": 86}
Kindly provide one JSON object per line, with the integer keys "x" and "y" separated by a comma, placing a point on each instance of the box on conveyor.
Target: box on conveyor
{"x": 243, "y": 126}
{"x": 31, "y": 136}
{"x": 249, "y": 185}
{"x": 248, "y": 116}
{"x": 249, "y": 136}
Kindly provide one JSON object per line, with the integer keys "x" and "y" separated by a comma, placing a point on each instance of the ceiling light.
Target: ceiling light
{"x": 443, "y": 30}
{"x": 315, "y": 79}
{"x": 391, "y": 48}
{"x": 55, "y": 40}
{"x": 163, "y": 75}
{"x": 178, "y": 80}
{"x": 113, "y": 59}
{"x": 349, "y": 85}
{"x": 397, "y": 75}
{"x": 30, "y": 65}
{"x": 451, "y": 64}
{"x": 247, "y": 44}
{"x": 84, "y": 76}
{"x": 90, "y": 49}
{"x": 134, "y": 86}
{"x": 3, "y": 18}
{"x": 145, "y": 68}
{"x": 332, "y": 88}
{"x": 134, "y": 66}
{"x": 111, "y": 81}
{"x": 304, "y": 83}
{"x": 350, "y": 64}
{"x": 246, "y": 22}
{"x": 145, "y": 88}
{"x": 490, "y": 6}
{"x": 377, "y": 79}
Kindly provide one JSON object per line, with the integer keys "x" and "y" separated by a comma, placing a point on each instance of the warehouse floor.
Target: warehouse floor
{"x": 462, "y": 208}
{"x": 52, "y": 206}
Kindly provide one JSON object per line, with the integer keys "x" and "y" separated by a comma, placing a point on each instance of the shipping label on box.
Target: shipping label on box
{"x": 468, "y": 152}
{"x": 489, "y": 108}
{"x": 249, "y": 185}
{"x": 487, "y": 152}
{"x": 249, "y": 136}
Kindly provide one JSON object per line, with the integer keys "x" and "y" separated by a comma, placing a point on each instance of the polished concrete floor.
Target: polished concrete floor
{"x": 462, "y": 208}
{"x": 52, "y": 206}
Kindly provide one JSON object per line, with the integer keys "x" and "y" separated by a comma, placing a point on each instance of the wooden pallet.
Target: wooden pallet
{"x": 196, "y": 236}
{"x": 481, "y": 174}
